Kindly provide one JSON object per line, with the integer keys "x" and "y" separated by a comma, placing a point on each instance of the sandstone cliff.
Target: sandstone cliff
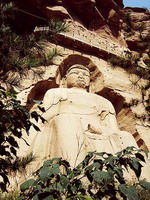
{"x": 99, "y": 32}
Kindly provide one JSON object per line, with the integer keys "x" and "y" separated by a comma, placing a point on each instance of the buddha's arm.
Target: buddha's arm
{"x": 108, "y": 116}
{"x": 112, "y": 121}
{"x": 51, "y": 104}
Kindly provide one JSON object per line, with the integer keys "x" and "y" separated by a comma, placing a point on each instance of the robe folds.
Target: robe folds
{"x": 77, "y": 122}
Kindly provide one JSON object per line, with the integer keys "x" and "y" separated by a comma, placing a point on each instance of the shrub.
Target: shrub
{"x": 99, "y": 175}
{"x": 13, "y": 195}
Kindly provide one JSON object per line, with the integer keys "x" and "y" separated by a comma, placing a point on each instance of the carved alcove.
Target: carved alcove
{"x": 125, "y": 116}
{"x": 39, "y": 90}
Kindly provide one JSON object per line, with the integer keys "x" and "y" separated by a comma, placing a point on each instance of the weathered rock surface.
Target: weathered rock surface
{"x": 98, "y": 30}
{"x": 138, "y": 27}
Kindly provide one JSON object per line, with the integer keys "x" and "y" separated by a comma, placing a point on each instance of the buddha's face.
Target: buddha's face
{"x": 78, "y": 78}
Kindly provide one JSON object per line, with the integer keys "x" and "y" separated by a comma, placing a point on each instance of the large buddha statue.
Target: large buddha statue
{"x": 77, "y": 122}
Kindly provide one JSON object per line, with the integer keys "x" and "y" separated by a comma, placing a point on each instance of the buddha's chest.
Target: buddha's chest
{"x": 80, "y": 103}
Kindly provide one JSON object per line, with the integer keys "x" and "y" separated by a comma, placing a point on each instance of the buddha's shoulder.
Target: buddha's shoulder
{"x": 105, "y": 103}
{"x": 65, "y": 91}
{"x": 61, "y": 91}
{"x": 55, "y": 91}
{"x": 103, "y": 99}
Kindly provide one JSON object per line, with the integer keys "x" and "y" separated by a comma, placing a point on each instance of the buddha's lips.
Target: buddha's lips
{"x": 81, "y": 81}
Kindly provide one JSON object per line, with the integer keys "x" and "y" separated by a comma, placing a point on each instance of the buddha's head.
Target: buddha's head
{"x": 78, "y": 76}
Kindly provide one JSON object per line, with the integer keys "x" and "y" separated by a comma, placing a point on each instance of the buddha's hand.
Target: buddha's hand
{"x": 101, "y": 130}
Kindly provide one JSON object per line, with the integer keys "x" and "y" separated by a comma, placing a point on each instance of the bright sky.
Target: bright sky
{"x": 137, "y": 3}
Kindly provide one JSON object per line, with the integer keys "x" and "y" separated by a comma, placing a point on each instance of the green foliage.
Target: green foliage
{"x": 6, "y": 9}
{"x": 19, "y": 164}
{"x": 14, "y": 120}
{"x": 18, "y": 54}
{"x": 127, "y": 19}
{"x": 56, "y": 27}
{"x": 129, "y": 63}
{"x": 143, "y": 194}
{"x": 55, "y": 52}
{"x": 143, "y": 44}
{"x": 98, "y": 175}
{"x": 22, "y": 52}
{"x": 133, "y": 102}
{"x": 13, "y": 195}
{"x": 114, "y": 61}
{"x": 144, "y": 117}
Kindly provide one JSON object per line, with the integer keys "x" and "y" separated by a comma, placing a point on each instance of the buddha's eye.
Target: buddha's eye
{"x": 73, "y": 73}
{"x": 85, "y": 74}
{"x": 78, "y": 72}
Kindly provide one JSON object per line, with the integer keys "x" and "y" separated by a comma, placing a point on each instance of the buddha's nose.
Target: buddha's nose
{"x": 80, "y": 75}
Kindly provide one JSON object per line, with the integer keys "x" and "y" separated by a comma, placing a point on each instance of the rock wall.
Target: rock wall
{"x": 98, "y": 31}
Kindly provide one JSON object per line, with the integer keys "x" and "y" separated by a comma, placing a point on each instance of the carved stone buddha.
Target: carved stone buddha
{"x": 78, "y": 122}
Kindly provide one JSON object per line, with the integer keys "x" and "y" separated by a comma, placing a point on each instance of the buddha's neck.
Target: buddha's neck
{"x": 79, "y": 88}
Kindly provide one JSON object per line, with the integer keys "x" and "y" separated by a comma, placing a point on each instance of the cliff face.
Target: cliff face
{"x": 99, "y": 31}
{"x": 109, "y": 18}
{"x": 104, "y": 17}
{"x": 137, "y": 29}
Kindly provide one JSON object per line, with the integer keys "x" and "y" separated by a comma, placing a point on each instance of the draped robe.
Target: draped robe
{"x": 77, "y": 122}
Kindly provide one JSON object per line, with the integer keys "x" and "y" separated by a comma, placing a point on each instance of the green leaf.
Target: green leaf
{"x": 36, "y": 127}
{"x": 45, "y": 173}
{"x": 119, "y": 171}
{"x": 17, "y": 133}
{"x": 130, "y": 192}
{"x": 42, "y": 119}
{"x": 97, "y": 165}
{"x": 12, "y": 141}
{"x": 13, "y": 150}
{"x": 140, "y": 156}
{"x": 59, "y": 188}
{"x": 45, "y": 196}
{"x": 21, "y": 197}
{"x": 27, "y": 184}
{"x": 50, "y": 197}
{"x": 47, "y": 163}
{"x": 119, "y": 174}
{"x": 36, "y": 197}
{"x": 35, "y": 116}
{"x": 111, "y": 159}
{"x": 86, "y": 160}
{"x": 5, "y": 178}
{"x": 55, "y": 171}
{"x": 136, "y": 166}
{"x": 100, "y": 176}
{"x": 88, "y": 198}
{"x": 64, "y": 181}
{"x": 90, "y": 167}
{"x": 39, "y": 187}
{"x": 145, "y": 185}
{"x": 41, "y": 109}
{"x": 55, "y": 165}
